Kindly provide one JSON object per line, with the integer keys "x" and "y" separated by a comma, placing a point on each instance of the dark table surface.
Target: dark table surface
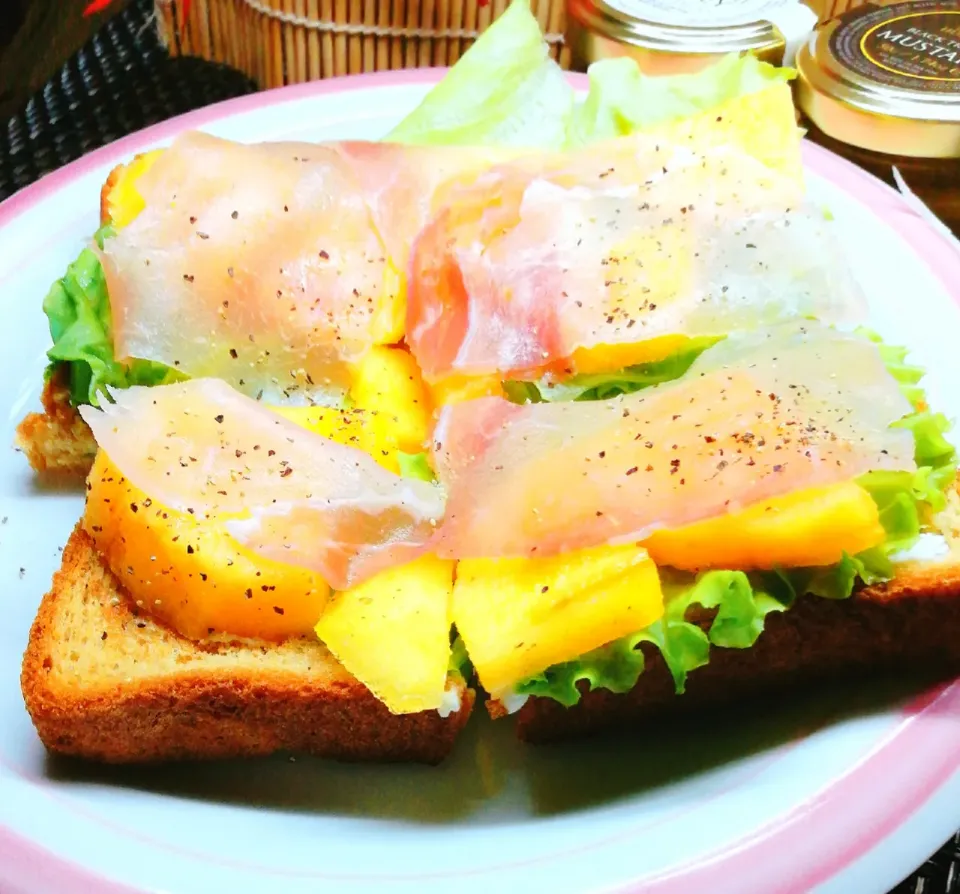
{"x": 69, "y": 84}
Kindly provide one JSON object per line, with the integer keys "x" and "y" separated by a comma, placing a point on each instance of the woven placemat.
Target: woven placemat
{"x": 939, "y": 875}
{"x": 124, "y": 80}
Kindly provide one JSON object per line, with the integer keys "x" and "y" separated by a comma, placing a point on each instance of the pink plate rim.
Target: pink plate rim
{"x": 802, "y": 849}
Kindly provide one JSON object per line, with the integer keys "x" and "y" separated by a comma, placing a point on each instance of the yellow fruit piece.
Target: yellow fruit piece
{"x": 388, "y": 381}
{"x": 367, "y": 430}
{"x": 393, "y": 633}
{"x": 763, "y": 124}
{"x": 206, "y": 587}
{"x": 191, "y": 574}
{"x": 610, "y": 358}
{"x": 455, "y": 389}
{"x": 124, "y": 202}
{"x": 658, "y": 265}
{"x": 390, "y": 316}
{"x": 664, "y": 258}
{"x": 815, "y": 526}
{"x": 518, "y": 617}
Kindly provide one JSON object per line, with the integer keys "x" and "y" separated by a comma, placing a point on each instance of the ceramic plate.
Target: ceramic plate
{"x": 844, "y": 791}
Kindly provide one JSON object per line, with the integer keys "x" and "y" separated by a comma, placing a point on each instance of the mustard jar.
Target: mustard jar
{"x": 676, "y": 36}
{"x": 880, "y": 85}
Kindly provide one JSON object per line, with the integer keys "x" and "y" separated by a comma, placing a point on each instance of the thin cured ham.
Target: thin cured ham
{"x": 527, "y": 267}
{"x": 272, "y": 266}
{"x": 755, "y": 418}
{"x": 289, "y": 494}
{"x": 404, "y": 186}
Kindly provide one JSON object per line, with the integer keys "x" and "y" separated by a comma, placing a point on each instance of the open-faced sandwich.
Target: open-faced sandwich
{"x": 582, "y": 415}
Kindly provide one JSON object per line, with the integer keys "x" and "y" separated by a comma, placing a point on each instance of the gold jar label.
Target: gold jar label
{"x": 914, "y": 46}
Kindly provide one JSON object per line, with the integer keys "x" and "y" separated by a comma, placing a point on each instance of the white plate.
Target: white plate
{"x": 843, "y": 793}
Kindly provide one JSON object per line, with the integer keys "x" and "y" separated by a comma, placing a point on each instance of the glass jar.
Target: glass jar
{"x": 880, "y": 85}
{"x": 675, "y": 36}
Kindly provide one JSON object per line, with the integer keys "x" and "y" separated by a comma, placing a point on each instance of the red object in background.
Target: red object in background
{"x": 99, "y": 5}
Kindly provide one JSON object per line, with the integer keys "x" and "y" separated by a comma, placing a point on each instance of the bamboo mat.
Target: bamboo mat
{"x": 279, "y": 42}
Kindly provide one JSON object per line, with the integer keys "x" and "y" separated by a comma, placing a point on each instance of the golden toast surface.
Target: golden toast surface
{"x": 104, "y": 682}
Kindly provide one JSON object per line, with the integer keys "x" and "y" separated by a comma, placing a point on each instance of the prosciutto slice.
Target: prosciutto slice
{"x": 284, "y": 492}
{"x": 272, "y": 266}
{"x": 536, "y": 260}
{"x": 756, "y": 417}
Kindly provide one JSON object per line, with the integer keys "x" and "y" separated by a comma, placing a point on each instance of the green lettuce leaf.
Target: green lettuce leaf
{"x": 504, "y": 91}
{"x": 740, "y": 604}
{"x": 603, "y": 386}
{"x": 521, "y": 392}
{"x": 622, "y": 100}
{"x": 616, "y": 666}
{"x": 459, "y": 664}
{"x": 415, "y": 465}
{"x": 740, "y": 613}
{"x": 78, "y": 312}
{"x": 935, "y": 456}
{"x": 507, "y": 91}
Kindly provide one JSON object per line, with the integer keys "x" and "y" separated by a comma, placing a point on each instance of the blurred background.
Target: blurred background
{"x": 38, "y": 36}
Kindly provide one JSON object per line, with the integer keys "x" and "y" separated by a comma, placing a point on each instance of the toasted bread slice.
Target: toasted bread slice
{"x": 103, "y": 683}
{"x": 910, "y": 624}
{"x": 57, "y": 442}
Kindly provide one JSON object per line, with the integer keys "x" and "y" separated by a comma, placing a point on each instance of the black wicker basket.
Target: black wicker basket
{"x": 121, "y": 81}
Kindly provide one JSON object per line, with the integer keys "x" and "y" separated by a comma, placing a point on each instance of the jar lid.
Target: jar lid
{"x": 698, "y": 26}
{"x": 887, "y": 78}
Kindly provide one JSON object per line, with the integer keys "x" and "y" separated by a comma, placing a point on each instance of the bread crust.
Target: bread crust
{"x": 910, "y": 624}
{"x": 218, "y": 701}
{"x": 57, "y": 442}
